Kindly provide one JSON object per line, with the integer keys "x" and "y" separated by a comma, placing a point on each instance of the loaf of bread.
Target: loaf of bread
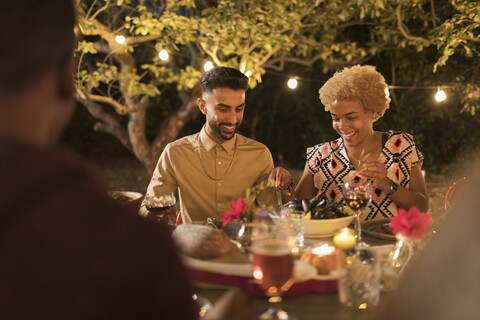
{"x": 201, "y": 241}
{"x": 326, "y": 261}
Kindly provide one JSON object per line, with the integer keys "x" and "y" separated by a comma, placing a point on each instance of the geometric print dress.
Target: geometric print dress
{"x": 331, "y": 168}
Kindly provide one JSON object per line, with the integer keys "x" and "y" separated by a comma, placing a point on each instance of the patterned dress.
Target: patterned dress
{"x": 329, "y": 164}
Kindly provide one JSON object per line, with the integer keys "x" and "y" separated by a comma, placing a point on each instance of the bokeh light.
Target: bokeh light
{"x": 163, "y": 55}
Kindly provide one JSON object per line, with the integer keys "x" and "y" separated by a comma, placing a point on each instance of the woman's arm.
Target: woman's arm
{"x": 404, "y": 198}
{"x": 305, "y": 188}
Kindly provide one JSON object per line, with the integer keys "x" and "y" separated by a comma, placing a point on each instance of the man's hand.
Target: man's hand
{"x": 281, "y": 177}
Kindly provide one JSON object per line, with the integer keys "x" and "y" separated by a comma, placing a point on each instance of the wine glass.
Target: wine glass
{"x": 357, "y": 197}
{"x": 202, "y": 305}
{"x": 273, "y": 262}
{"x": 161, "y": 208}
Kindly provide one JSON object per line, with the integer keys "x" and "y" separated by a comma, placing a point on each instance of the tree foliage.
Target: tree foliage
{"x": 145, "y": 102}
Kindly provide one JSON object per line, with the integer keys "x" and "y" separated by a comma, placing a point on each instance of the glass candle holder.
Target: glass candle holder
{"x": 344, "y": 239}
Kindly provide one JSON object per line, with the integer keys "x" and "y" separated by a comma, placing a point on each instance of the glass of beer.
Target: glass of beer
{"x": 273, "y": 262}
{"x": 161, "y": 208}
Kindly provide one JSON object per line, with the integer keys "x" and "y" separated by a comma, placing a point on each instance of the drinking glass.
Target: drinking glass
{"x": 273, "y": 262}
{"x": 359, "y": 282}
{"x": 297, "y": 219}
{"x": 202, "y": 305}
{"x": 357, "y": 197}
{"x": 161, "y": 208}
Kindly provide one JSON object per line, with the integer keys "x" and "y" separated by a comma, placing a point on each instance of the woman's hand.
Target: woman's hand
{"x": 415, "y": 195}
{"x": 377, "y": 172}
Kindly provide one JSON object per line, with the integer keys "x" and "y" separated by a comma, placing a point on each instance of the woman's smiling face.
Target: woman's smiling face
{"x": 351, "y": 122}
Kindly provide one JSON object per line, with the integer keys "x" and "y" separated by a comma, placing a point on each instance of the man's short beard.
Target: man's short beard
{"x": 216, "y": 130}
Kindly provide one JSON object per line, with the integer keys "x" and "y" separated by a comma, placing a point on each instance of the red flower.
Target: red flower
{"x": 238, "y": 206}
{"x": 411, "y": 223}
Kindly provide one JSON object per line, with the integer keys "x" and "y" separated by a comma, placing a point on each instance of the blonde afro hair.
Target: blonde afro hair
{"x": 362, "y": 84}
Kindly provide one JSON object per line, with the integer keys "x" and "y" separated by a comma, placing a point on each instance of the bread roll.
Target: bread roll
{"x": 201, "y": 241}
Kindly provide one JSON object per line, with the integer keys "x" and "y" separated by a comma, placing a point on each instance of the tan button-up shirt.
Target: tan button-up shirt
{"x": 209, "y": 175}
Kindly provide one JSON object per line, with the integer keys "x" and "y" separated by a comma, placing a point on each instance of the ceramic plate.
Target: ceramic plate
{"x": 374, "y": 229}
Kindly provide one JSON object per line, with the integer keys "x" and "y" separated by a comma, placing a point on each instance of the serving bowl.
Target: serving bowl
{"x": 325, "y": 227}
{"x": 129, "y": 199}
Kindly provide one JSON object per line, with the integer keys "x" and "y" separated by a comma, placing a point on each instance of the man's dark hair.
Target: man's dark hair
{"x": 36, "y": 35}
{"x": 223, "y": 77}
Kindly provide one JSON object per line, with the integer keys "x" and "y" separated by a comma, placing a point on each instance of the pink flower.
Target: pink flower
{"x": 411, "y": 223}
{"x": 238, "y": 206}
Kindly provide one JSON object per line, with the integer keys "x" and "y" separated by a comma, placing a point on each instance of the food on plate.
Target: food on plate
{"x": 324, "y": 258}
{"x": 383, "y": 228}
{"x": 320, "y": 208}
{"x": 201, "y": 241}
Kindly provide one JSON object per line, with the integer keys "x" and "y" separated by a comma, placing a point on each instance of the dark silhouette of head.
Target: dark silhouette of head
{"x": 37, "y": 35}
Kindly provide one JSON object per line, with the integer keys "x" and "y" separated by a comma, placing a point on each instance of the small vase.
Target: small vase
{"x": 401, "y": 254}
{"x": 244, "y": 235}
{"x": 240, "y": 231}
{"x": 397, "y": 260}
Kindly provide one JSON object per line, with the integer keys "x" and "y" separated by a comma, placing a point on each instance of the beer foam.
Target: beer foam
{"x": 271, "y": 248}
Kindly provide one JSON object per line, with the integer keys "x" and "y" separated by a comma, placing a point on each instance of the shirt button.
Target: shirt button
{"x": 219, "y": 162}
{"x": 219, "y": 183}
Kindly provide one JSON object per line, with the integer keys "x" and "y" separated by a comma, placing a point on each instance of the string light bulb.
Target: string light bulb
{"x": 208, "y": 66}
{"x": 163, "y": 55}
{"x": 120, "y": 39}
{"x": 440, "y": 96}
{"x": 292, "y": 83}
{"x": 248, "y": 73}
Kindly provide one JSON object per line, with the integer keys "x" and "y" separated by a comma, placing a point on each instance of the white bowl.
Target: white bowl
{"x": 325, "y": 227}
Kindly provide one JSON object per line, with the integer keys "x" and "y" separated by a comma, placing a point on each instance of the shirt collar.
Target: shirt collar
{"x": 209, "y": 144}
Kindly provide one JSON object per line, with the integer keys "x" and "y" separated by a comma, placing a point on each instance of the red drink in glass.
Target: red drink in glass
{"x": 166, "y": 215}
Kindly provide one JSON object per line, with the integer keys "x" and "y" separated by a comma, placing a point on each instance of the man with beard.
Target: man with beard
{"x": 215, "y": 165}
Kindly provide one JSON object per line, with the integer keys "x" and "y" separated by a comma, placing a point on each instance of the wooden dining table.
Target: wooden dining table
{"x": 308, "y": 306}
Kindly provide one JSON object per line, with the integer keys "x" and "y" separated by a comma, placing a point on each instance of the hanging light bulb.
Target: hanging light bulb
{"x": 440, "y": 95}
{"x": 387, "y": 93}
{"x": 248, "y": 73}
{"x": 163, "y": 55}
{"x": 208, "y": 65}
{"x": 292, "y": 83}
{"x": 120, "y": 39}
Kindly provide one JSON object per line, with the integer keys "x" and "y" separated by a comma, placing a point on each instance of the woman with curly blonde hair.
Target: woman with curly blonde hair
{"x": 356, "y": 97}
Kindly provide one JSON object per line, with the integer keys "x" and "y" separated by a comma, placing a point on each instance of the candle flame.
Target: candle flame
{"x": 323, "y": 250}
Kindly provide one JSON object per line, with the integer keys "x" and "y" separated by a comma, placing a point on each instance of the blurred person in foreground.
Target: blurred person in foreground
{"x": 67, "y": 251}
{"x": 356, "y": 97}
{"x": 217, "y": 164}
{"x": 443, "y": 283}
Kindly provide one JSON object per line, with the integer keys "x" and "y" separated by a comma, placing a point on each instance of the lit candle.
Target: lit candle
{"x": 323, "y": 250}
{"x": 344, "y": 239}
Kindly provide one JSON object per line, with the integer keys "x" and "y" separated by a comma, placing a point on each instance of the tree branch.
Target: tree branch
{"x": 175, "y": 122}
{"x": 434, "y": 16}
{"x": 138, "y": 139}
{"x": 108, "y": 123}
{"x": 282, "y": 60}
{"x": 120, "y": 109}
{"x": 141, "y": 39}
{"x": 404, "y": 30}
